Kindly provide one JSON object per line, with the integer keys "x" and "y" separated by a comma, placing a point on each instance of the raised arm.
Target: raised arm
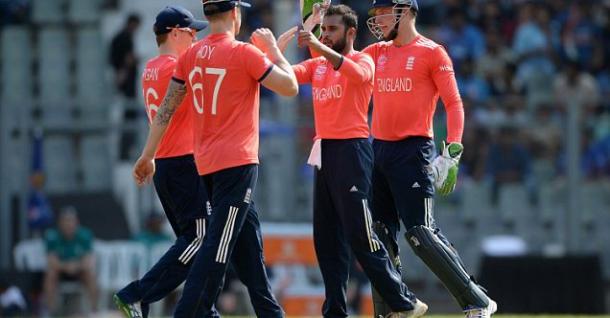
{"x": 280, "y": 78}
{"x": 144, "y": 168}
{"x": 359, "y": 71}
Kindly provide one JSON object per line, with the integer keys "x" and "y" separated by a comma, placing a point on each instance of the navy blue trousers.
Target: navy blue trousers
{"x": 183, "y": 197}
{"x": 403, "y": 188}
{"x": 342, "y": 222}
{"x": 233, "y": 234}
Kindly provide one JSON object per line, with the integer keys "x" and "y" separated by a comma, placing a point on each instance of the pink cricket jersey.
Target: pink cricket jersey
{"x": 340, "y": 97}
{"x": 178, "y": 138}
{"x": 223, "y": 75}
{"x": 408, "y": 81}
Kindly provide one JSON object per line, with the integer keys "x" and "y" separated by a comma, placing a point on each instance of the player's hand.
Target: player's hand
{"x": 285, "y": 38}
{"x": 317, "y": 14}
{"x": 445, "y": 167}
{"x": 263, "y": 39}
{"x": 143, "y": 170}
{"x": 309, "y": 39}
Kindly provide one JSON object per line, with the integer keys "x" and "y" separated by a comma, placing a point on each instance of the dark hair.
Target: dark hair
{"x": 215, "y": 8}
{"x": 161, "y": 38}
{"x": 348, "y": 15}
{"x": 133, "y": 18}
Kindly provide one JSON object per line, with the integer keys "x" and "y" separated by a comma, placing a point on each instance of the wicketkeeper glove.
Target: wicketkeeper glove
{"x": 445, "y": 167}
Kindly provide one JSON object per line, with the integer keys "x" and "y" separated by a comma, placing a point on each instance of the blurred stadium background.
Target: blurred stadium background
{"x": 530, "y": 215}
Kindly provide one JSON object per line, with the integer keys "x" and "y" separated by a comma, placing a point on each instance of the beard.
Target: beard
{"x": 392, "y": 35}
{"x": 340, "y": 45}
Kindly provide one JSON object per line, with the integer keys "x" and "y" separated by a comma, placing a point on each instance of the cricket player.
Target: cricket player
{"x": 224, "y": 76}
{"x": 411, "y": 73}
{"x": 176, "y": 181}
{"x": 342, "y": 83}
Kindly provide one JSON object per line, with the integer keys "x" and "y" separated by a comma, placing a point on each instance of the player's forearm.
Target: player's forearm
{"x": 280, "y": 61}
{"x": 155, "y": 134}
{"x": 275, "y": 55}
{"x": 329, "y": 54}
{"x": 356, "y": 72}
{"x": 455, "y": 121}
{"x": 455, "y": 114}
{"x": 450, "y": 95}
{"x": 173, "y": 98}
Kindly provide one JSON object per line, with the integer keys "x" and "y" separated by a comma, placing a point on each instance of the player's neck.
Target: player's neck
{"x": 348, "y": 49}
{"x": 222, "y": 27}
{"x": 406, "y": 35}
{"x": 166, "y": 49}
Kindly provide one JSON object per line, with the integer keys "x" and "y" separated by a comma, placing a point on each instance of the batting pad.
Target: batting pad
{"x": 446, "y": 265}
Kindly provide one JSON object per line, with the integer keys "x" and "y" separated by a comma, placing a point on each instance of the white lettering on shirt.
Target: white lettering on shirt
{"x": 151, "y": 74}
{"x": 205, "y": 52}
{"x": 326, "y": 93}
{"x": 403, "y": 84}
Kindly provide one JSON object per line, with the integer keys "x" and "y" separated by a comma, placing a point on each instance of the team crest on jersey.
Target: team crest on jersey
{"x": 410, "y": 63}
{"x": 381, "y": 62}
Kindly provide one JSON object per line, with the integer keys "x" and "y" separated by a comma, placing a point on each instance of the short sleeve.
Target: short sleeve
{"x": 371, "y": 50}
{"x": 181, "y": 71}
{"x": 303, "y": 71}
{"x": 256, "y": 64}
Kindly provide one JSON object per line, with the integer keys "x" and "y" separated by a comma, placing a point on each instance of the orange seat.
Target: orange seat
{"x": 366, "y": 305}
{"x": 289, "y": 250}
{"x": 303, "y": 305}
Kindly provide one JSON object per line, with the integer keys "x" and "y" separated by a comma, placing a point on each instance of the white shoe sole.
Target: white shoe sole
{"x": 419, "y": 309}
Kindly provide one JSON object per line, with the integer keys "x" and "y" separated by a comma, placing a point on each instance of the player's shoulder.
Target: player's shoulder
{"x": 194, "y": 48}
{"x": 376, "y": 46}
{"x": 159, "y": 67}
{"x": 165, "y": 61}
{"x": 245, "y": 46}
{"x": 360, "y": 56}
{"x": 427, "y": 44}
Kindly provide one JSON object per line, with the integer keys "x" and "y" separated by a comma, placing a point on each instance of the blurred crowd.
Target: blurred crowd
{"x": 520, "y": 65}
